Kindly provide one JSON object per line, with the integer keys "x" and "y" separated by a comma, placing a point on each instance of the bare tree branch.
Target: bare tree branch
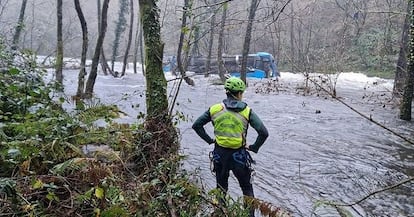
{"x": 374, "y": 193}
{"x": 363, "y": 115}
{"x": 280, "y": 12}
{"x": 212, "y": 5}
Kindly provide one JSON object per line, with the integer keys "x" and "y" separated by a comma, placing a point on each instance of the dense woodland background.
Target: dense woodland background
{"x": 320, "y": 36}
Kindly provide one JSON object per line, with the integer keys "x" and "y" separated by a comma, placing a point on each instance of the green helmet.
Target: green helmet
{"x": 234, "y": 84}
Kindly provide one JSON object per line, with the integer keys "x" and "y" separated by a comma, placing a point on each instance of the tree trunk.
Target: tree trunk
{"x": 195, "y": 50}
{"x": 292, "y": 39}
{"x": 95, "y": 60}
{"x": 407, "y": 98}
{"x": 19, "y": 27}
{"x": 104, "y": 64}
{"x": 220, "y": 44}
{"x": 141, "y": 50}
{"x": 136, "y": 46}
{"x": 163, "y": 142}
{"x": 3, "y": 7}
{"x": 59, "y": 49}
{"x": 182, "y": 60}
{"x": 82, "y": 71}
{"x": 401, "y": 70}
{"x": 156, "y": 94}
{"x": 131, "y": 28}
{"x": 119, "y": 29}
{"x": 210, "y": 42}
{"x": 247, "y": 38}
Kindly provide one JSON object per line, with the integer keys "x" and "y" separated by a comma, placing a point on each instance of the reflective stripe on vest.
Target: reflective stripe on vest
{"x": 230, "y": 128}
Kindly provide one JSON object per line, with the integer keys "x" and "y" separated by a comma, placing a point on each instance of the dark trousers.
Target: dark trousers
{"x": 224, "y": 162}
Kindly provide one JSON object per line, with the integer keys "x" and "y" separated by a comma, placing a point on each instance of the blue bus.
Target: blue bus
{"x": 259, "y": 65}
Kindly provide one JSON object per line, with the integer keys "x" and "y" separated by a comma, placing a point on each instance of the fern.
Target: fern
{"x": 74, "y": 164}
{"x": 3, "y": 136}
{"x": 74, "y": 148}
{"x": 266, "y": 208}
{"x": 96, "y": 110}
{"x": 7, "y": 187}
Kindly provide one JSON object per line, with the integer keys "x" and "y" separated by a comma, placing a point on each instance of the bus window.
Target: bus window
{"x": 250, "y": 61}
{"x": 259, "y": 65}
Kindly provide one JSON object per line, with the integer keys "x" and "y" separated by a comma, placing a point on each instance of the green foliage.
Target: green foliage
{"x": 36, "y": 133}
{"x": 22, "y": 91}
{"x": 69, "y": 166}
{"x": 41, "y": 142}
{"x": 45, "y": 170}
{"x": 164, "y": 191}
{"x": 7, "y": 187}
{"x": 366, "y": 45}
{"x": 388, "y": 73}
{"x": 371, "y": 54}
{"x": 95, "y": 111}
{"x": 115, "y": 211}
{"x": 180, "y": 117}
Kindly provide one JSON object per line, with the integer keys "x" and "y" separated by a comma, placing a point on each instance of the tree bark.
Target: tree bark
{"x": 59, "y": 49}
{"x": 184, "y": 29}
{"x": 292, "y": 39}
{"x": 136, "y": 45}
{"x": 195, "y": 50}
{"x": 401, "y": 70}
{"x": 82, "y": 71}
{"x": 90, "y": 83}
{"x": 131, "y": 28}
{"x": 220, "y": 43}
{"x": 210, "y": 41}
{"x": 141, "y": 50}
{"x": 407, "y": 98}
{"x": 163, "y": 142}
{"x": 19, "y": 27}
{"x": 156, "y": 94}
{"x": 182, "y": 60}
{"x": 247, "y": 38}
{"x": 104, "y": 64}
{"x": 119, "y": 29}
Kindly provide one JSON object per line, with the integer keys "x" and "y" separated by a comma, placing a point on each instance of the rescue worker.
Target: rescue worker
{"x": 231, "y": 119}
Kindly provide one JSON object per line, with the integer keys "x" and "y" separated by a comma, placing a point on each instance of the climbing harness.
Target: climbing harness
{"x": 214, "y": 158}
{"x": 244, "y": 158}
{"x": 241, "y": 157}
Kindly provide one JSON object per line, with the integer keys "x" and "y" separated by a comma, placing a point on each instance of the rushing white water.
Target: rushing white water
{"x": 318, "y": 148}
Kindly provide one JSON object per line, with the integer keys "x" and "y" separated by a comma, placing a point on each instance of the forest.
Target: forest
{"x": 56, "y": 161}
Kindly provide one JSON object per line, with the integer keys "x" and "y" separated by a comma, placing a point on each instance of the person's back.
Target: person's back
{"x": 231, "y": 119}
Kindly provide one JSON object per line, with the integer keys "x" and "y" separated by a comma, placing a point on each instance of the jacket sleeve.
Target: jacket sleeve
{"x": 198, "y": 127}
{"x": 261, "y": 130}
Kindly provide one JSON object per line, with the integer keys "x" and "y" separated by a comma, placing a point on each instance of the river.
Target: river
{"x": 318, "y": 149}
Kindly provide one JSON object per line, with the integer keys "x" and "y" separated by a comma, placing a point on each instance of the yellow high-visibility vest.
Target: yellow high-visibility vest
{"x": 230, "y": 128}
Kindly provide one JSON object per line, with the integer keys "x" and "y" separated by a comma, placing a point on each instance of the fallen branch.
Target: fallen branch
{"x": 373, "y": 193}
{"x": 363, "y": 115}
